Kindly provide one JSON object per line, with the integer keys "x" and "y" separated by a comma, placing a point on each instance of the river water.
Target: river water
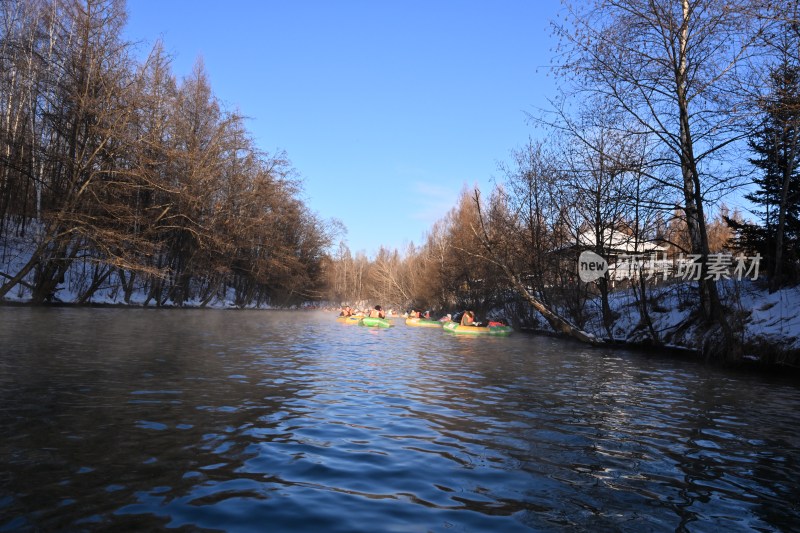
{"x": 205, "y": 420}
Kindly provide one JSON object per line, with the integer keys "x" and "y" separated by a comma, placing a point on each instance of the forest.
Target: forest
{"x": 116, "y": 178}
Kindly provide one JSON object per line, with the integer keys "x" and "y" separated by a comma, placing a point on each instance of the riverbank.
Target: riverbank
{"x": 767, "y": 324}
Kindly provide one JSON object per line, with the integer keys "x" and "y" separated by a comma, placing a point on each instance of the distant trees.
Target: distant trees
{"x": 115, "y": 175}
{"x": 390, "y": 279}
{"x": 448, "y": 272}
{"x": 345, "y": 276}
{"x": 473, "y": 282}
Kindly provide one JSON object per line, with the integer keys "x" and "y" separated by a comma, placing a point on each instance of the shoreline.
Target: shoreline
{"x": 750, "y": 364}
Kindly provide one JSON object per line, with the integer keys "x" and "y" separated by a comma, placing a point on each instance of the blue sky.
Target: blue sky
{"x": 386, "y": 109}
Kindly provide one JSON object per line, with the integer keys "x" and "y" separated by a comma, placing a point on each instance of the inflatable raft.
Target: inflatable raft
{"x": 349, "y": 319}
{"x": 497, "y": 331}
{"x": 423, "y": 323}
{"x": 374, "y": 322}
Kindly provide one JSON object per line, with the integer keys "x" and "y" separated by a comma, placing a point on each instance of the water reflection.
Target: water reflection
{"x": 247, "y": 421}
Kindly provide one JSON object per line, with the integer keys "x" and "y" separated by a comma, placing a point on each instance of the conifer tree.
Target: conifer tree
{"x": 776, "y": 145}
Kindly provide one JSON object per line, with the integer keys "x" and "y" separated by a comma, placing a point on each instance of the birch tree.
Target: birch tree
{"x": 674, "y": 69}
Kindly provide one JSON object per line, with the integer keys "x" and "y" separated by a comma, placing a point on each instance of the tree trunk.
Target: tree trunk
{"x": 710, "y": 304}
{"x": 777, "y": 275}
{"x": 558, "y": 323}
{"x": 608, "y": 318}
{"x": 99, "y": 277}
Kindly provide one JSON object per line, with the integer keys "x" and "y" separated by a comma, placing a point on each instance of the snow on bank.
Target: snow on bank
{"x": 772, "y": 319}
{"x": 775, "y": 318}
{"x": 17, "y": 251}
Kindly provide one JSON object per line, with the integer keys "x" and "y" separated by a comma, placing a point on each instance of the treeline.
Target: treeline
{"x": 665, "y": 108}
{"x": 443, "y": 275}
{"x": 114, "y": 169}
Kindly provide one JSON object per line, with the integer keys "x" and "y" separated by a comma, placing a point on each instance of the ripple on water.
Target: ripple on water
{"x": 248, "y": 421}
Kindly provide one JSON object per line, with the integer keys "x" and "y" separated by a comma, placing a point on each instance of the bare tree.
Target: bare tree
{"x": 86, "y": 66}
{"x": 672, "y": 67}
{"x": 500, "y": 247}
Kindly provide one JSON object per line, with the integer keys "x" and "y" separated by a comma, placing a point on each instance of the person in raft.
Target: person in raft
{"x": 346, "y": 311}
{"x": 377, "y": 312}
{"x": 468, "y": 319}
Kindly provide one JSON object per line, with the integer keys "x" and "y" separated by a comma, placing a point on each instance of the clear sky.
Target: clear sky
{"x": 386, "y": 109}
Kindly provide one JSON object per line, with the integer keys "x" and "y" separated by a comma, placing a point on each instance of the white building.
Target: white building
{"x": 627, "y": 257}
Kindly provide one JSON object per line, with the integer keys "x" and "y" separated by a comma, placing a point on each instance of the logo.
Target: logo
{"x": 591, "y": 266}
{"x": 695, "y": 267}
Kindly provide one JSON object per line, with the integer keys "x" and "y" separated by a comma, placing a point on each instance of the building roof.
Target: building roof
{"x": 620, "y": 242}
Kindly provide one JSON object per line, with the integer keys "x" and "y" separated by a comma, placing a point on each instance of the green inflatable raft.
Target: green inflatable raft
{"x": 374, "y": 322}
{"x": 423, "y": 323}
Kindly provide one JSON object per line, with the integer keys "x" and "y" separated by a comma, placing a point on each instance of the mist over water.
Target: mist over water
{"x": 290, "y": 421}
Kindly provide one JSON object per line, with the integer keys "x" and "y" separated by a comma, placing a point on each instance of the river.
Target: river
{"x": 211, "y": 420}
